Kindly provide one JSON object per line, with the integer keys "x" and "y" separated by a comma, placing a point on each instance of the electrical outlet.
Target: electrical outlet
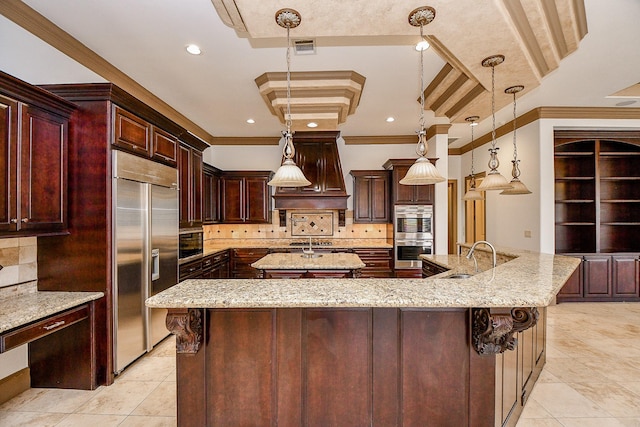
{"x": 527, "y": 233}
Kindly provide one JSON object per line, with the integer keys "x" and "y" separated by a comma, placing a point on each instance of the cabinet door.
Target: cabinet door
{"x": 184, "y": 159}
{"x": 196, "y": 193}
{"x": 380, "y": 199}
{"x": 370, "y": 196}
{"x": 164, "y": 148}
{"x": 424, "y": 193}
{"x": 43, "y": 171}
{"x": 402, "y": 193}
{"x": 210, "y": 199}
{"x": 625, "y": 276}
{"x": 233, "y": 199}
{"x": 572, "y": 289}
{"x": 131, "y": 133}
{"x": 8, "y": 162}
{"x": 597, "y": 276}
{"x": 257, "y": 197}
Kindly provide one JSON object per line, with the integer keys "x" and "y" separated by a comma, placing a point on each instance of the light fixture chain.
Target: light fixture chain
{"x": 515, "y": 148}
{"x": 472, "y": 143}
{"x": 421, "y": 81}
{"x": 493, "y": 106}
{"x": 288, "y": 118}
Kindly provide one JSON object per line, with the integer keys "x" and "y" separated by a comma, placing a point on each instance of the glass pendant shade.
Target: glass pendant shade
{"x": 472, "y": 193}
{"x": 517, "y": 187}
{"x": 289, "y": 175}
{"x": 494, "y": 181}
{"x": 422, "y": 172}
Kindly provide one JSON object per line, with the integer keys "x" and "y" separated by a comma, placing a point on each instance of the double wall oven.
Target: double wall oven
{"x": 413, "y": 234}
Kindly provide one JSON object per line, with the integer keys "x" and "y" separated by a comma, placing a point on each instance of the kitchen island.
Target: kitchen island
{"x": 383, "y": 352}
{"x": 309, "y": 265}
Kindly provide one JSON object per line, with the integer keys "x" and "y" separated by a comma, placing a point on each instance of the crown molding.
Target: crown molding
{"x": 606, "y": 113}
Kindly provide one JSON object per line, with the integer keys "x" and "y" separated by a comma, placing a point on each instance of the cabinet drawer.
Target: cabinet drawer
{"x": 42, "y": 328}
{"x": 131, "y": 132}
{"x": 429, "y": 269}
{"x": 190, "y": 270}
{"x": 165, "y": 147}
{"x": 373, "y": 253}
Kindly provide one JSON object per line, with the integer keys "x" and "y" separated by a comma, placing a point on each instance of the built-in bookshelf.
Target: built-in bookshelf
{"x": 597, "y": 192}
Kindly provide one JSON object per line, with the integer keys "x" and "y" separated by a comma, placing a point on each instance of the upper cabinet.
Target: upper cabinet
{"x": 245, "y": 197}
{"x": 211, "y": 194}
{"x": 408, "y": 194}
{"x": 371, "y": 196}
{"x": 33, "y": 155}
{"x": 191, "y": 179}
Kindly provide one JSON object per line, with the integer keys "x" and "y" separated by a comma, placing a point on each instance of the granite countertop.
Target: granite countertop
{"x": 212, "y": 246}
{"x": 25, "y": 308}
{"x": 530, "y": 279}
{"x": 295, "y": 261}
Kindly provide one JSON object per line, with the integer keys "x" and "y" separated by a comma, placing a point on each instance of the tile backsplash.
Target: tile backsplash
{"x": 288, "y": 230}
{"x": 19, "y": 261}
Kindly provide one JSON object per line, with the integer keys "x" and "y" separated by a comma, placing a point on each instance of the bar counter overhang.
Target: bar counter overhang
{"x": 383, "y": 352}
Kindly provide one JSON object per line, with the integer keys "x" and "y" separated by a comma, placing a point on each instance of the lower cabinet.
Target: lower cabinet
{"x": 308, "y": 274}
{"x": 216, "y": 266}
{"x": 517, "y": 371}
{"x": 190, "y": 270}
{"x": 378, "y": 262}
{"x": 604, "y": 277}
{"x": 241, "y": 260}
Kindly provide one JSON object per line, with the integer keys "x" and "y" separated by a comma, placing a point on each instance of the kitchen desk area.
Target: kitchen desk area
{"x": 359, "y": 351}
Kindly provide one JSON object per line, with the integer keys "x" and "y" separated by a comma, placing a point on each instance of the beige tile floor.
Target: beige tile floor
{"x": 591, "y": 379}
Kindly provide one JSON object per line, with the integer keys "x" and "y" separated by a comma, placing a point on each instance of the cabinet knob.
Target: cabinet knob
{"x": 25, "y": 219}
{"x": 14, "y": 220}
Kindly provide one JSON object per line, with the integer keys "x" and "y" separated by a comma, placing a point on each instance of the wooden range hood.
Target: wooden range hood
{"x": 317, "y": 156}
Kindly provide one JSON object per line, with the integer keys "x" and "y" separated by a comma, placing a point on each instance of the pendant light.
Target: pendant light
{"x": 289, "y": 174}
{"x": 472, "y": 193}
{"x": 517, "y": 186}
{"x": 494, "y": 180}
{"x": 422, "y": 172}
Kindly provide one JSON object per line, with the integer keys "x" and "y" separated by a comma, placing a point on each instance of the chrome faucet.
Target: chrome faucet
{"x": 473, "y": 247}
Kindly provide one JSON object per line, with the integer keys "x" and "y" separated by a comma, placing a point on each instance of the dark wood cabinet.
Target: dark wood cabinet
{"x": 82, "y": 260}
{"x": 371, "y": 196}
{"x": 216, "y": 266}
{"x": 241, "y": 260}
{"x": 431, "y": 268}
{"x": 245, "y": 197}
{"x": 378, "y": 262}
{"x": 604, "y": 277}
{"x": 597, "y": 211}
{"x": 408, "y": 194}
{"x": 190, "y": 173}
{"x": 34, "y": 128}
{"x": 137, "y": 136}
{"x": 211, "y": 194}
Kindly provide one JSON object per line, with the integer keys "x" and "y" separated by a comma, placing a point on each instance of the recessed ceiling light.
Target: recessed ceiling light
{"x": 251, "y": 121}
{"x": 390, "y": 119}
{"x": 423, "y": 45}
{"x": 193, "y": 49}
{"x": 312, "y": 125}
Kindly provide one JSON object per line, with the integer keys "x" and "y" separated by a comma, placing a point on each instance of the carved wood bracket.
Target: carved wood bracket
{"x": 493, "y": 329}
{"x": 186, "y": 325}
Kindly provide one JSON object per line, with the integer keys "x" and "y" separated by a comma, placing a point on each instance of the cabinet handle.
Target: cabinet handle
{"x": 25, "y": 220}
{"x": 54, "y": 325}
{"x": 14, "y": 220}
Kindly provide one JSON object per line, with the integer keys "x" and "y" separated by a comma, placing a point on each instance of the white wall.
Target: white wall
{"x": 509, "y": 216}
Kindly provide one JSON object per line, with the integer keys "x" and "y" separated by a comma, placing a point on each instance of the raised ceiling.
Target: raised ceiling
{"x": 533, "y": 35}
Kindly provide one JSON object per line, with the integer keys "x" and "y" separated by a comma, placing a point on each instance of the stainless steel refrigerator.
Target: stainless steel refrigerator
{"x": 145, "y": 252}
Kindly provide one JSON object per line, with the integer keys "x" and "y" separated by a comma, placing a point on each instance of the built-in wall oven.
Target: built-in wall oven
{"x": 190, "y": 244}
{"x": 413, "y": 235}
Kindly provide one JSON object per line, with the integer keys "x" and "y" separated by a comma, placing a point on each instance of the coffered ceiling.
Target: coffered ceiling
{"x": 567, "y": 53}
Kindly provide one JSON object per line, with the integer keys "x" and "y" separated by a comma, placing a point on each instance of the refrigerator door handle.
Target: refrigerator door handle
{"x": 155, "y": 264}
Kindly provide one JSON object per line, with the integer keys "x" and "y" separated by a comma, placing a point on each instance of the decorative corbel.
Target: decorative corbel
{"x": 493, "y": 329}
{"x": 186, "y": 325}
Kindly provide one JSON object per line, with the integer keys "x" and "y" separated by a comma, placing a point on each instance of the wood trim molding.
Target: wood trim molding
{"x": 252, "y": 140}
{"x": 606, "y": 113}
{"x": 41, "y": 27}
{"x": 441, "y": 129}
{"x": 14, "y": 384}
